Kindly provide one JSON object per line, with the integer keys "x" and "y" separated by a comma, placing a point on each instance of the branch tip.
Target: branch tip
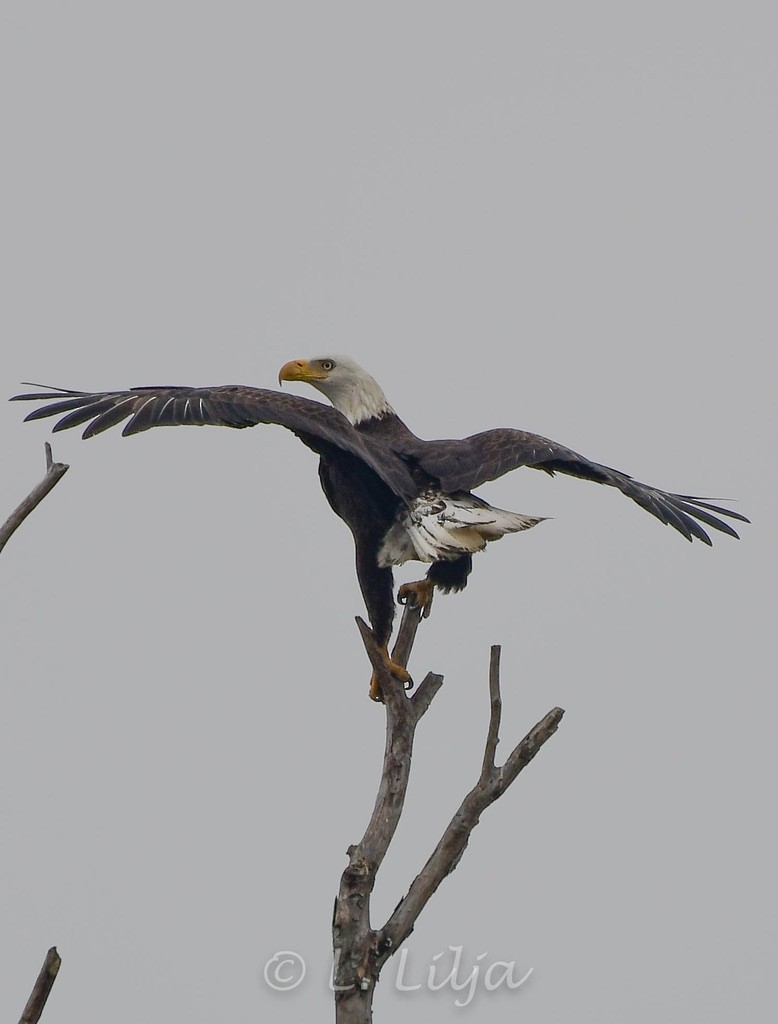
{"x": 42, "y": 987}
{"x": 495, "y": 713}
{"x": 426, "y": 692}
{"x": 54, "y": 473}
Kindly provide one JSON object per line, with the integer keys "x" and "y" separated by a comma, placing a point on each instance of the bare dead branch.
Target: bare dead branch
{"x": 406, "y": 635}
{"x": 42, "y": 987}
{"x": 54, "y": 473}
{"x": 425, "y": 692}
{"x": 360, "y": 951}
{"x": 522, "y": 753}
{"x": 355, "y": 953}
{"x": 493, "y": 736}
{"x": 402, "y": 716}
{"x": 492, "y": 783}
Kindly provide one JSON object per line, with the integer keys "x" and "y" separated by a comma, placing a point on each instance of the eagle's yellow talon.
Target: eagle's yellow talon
{"x": 375, "y": 689}
{"x": 417, "y": 595}
{"x": 395, "y": 671}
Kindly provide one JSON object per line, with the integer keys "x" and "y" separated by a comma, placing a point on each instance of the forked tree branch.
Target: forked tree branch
{"x": 360, "y": 951}
{"x": 491, "y": 785}
{"x": 54, "y": 473}
{"x": 40, "y": 992}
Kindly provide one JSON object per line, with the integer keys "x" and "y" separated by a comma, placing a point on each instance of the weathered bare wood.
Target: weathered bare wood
{"x": 446, "y": 855}
{"x": 42, "y": 987}
{"x": 354, "y": 947}
{"x": 406, "y": 635}
{"x": 54, "y": 473}
{"x": 495, "y": 700}
{"x": 360, "y": 951}
{"x": 428, "y": 687}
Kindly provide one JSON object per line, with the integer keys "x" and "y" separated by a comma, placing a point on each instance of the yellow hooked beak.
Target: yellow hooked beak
{"x": 300, "y": 369}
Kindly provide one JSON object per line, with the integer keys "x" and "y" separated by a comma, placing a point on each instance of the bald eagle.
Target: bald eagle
{"x": 402, "y": 498}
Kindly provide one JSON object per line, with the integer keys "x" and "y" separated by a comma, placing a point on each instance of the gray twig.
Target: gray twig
{"x": 493, "y": 736}
{"x": 54, "y": 473}
{"x": 40, "y": 992}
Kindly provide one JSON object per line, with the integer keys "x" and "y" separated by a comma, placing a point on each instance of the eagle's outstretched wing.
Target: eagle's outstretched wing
{"x": 466, "y": 464}
{"x": 230, "y": 405}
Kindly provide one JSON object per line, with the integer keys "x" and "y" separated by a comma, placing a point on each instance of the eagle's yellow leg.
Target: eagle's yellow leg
{"x": 395, "y": 671}
{"x": 417, "y": 595}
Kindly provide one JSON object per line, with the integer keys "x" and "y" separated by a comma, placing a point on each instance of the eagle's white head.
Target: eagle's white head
{"x": 350, "y": 388}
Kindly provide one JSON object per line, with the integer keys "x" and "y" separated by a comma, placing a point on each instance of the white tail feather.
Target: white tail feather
{"x": 440, "y": 527}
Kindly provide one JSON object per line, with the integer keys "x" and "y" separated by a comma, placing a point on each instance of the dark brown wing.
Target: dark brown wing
{"x": 231, "y": 405}
{"x": 465, "y": 465}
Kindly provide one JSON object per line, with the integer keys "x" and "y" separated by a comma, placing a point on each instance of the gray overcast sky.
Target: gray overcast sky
{"x": 556, "y": 216}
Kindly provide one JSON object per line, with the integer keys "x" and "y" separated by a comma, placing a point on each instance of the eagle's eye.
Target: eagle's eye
{"x": 327, "y": 364}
